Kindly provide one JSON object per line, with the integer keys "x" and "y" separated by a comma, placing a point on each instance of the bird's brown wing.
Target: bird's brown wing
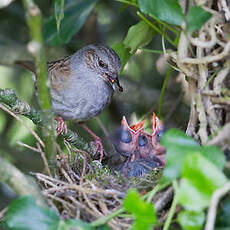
{"x": 59, "y": 71}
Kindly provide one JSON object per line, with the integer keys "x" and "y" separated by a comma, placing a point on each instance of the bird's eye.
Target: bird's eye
{"x": 142, "y": 140}
{"x": 125, "y": 136}
{"x": 101, "y": 63}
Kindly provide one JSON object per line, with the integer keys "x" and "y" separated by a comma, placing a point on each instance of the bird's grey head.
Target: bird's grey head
{"x": 104, "y": 61}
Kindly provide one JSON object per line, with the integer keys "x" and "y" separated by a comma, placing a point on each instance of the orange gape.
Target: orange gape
{"x": 142, "y": 150}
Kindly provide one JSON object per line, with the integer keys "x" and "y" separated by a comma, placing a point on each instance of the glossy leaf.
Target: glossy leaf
{"x": 191, "y": 220}
{"x": 24, "y": 214}
{"x": 143, "y": 211}
{"x": 123, "y": 53}
{"x": 203, "y": 173}
{"x": 196, "y": 17}
{"x": 215, "y": 155}
{"x": 190, "y": 197}
{"x": 178, "y": 138}
{"x": 138, "y": 36}
{"x": 179, "y": 146}
{"x": 166, "y": 10}
{"x": 200, "y": 179}
{"x": 76, "y": 12}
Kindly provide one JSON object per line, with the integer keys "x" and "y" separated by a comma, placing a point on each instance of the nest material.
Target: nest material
{"x": 85, "y": 190}
{"x": 203, "y": 58}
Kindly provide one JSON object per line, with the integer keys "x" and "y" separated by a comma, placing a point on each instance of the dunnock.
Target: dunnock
{"x": 82, "y": 85}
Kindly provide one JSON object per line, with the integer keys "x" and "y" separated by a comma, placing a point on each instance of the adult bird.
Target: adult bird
{"x": 82, "y": 85}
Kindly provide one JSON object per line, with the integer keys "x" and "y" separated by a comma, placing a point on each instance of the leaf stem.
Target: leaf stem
{"x": 155, "y": 28}
{"x": 173, "y": 206}
{"x": 163, "y": 91}
{"x": 128, "y": 3}
{"x": 103, "y": 220}
{"x": 152, "y": 51}
{"x": 156, "y": 189}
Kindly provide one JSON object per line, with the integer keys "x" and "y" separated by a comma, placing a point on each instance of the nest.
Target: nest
{"x": 84, "y": 189}
{"x": 203, "y": 61}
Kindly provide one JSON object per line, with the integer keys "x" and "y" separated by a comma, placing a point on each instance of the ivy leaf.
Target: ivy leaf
{"x": 166, "y": 10}
{"x": 24, "y": 214}
{"x": 200, "y": 178}
{"x": 76, "y": 12}
{"x": 203, "y": 174}
{"x": 123, "y": 53}
{"x": 143, "y": 211}
{"x": 190, "y": 197}
{"x": 191, "y": 220}
{"x": 215, "y": 155}
{"x": 138, "y": 36}
{"x": 196, "y": 17}
{"x": 179, "y": 146}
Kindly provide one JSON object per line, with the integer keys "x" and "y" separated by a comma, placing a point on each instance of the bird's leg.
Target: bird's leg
{"x": 98, "y": 142}
{"x": 61, "y": 126}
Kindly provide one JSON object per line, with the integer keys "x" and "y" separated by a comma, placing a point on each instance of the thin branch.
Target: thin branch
{"x": 211, "y": 216}
{"x": 24, "y": 124}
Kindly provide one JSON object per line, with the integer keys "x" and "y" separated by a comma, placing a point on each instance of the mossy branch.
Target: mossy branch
{"x": 36, "y": 48}
{"x": 10, "y": 99}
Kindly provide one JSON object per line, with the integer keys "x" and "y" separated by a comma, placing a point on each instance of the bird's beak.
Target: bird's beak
{"x": 113, "y": 78}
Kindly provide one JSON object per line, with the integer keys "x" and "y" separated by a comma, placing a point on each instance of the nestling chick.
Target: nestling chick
{"x": 142, "y": 150}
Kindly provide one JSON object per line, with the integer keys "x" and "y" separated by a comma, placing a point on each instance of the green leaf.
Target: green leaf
{"x": 24, "y": 214}
{"x": 59, "y": 12}
{"x": 215, "y": 155}
{"x": 179, "y": 146}
{"x": 196, "y": 17}
{"x": 123, "y": 53}
{"x": 76, "y": 12}
{"x": 167, "y": 10}
{"x": 191, "y": 220}
{"x": 138, "y": 36}
{"x": 203, "y": 173}
{"x": 190, "y": 197}
{"x": 178, "y": 138}
{"x": 143, "y": 211}
{"x": 200, "y": 179}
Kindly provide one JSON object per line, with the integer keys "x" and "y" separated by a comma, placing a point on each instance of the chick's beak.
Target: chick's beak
{"x": 113, "y": 78}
